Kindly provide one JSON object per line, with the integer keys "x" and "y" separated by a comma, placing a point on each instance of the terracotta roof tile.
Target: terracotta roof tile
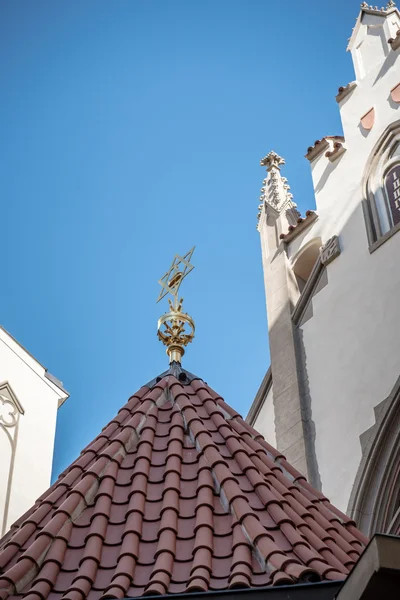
{"x": 176, "y": 494}
{"x": 302, "y": 223}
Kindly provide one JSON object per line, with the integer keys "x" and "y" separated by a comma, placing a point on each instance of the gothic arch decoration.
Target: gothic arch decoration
{"x": 375, "y": 497}
{"x": 10, "y": 413}
{"x": 317, "y": 278}
{"x": 303, "y": 262}
{"x": 381, "y": 185}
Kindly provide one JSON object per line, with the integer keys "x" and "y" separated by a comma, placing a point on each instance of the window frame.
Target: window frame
{"x": 377, "y": 214}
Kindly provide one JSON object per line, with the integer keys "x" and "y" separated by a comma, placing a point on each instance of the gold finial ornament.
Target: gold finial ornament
{"x": 175, "y": 328}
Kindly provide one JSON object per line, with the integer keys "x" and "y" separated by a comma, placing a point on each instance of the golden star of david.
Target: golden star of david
{"x": 171, "y": 281}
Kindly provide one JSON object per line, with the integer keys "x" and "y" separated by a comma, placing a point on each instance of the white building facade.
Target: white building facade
{"x": 29, "y": 400}
{"x": 331, "y": 399}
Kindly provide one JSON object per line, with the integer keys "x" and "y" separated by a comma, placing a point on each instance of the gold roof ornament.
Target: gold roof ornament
{"x": 175, "y": 328}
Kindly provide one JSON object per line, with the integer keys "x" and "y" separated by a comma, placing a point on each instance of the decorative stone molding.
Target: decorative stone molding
{"x": 319, "y": 146}
{"x": 272, "y": 159}
{"x": 373, "y": 501}
{"x": 365, "y": 7}
{"x": 307, "y": 294}
{"x": 322, "y": 145}
{"x": 368, "y": 120}
{"x": 330, "y": 250}
{"x": 274, "y": 185}
{"x": 374, "y": 198}
{"x": 10, "y": 406}
{"x": 302, "y": 223}
{"x": 10, "y": 412}
{"x": 395, "y": 42}
{"x": 275, "y": 193}
{"x": 338, "y": 150}
{"x": 344, "y": 91}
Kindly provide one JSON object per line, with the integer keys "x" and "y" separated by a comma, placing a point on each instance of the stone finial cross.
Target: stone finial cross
{"x": 272, "y": 159}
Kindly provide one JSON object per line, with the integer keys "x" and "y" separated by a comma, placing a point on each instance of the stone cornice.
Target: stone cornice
{"x": 344, "y": 91}
{"x": 302, "y": 224}
{"x": 322, "y": 145}
{"x": 395, "y": 42}
{"x": 337, "y": 150}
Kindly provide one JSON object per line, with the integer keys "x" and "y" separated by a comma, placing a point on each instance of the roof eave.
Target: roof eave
{"x": 325, "y": 590}
{"x": 54, "y": 380}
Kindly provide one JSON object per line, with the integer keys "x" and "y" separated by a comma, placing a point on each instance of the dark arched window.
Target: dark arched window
{"x": 382, "y": 188}
{"x": 391, "y": 183}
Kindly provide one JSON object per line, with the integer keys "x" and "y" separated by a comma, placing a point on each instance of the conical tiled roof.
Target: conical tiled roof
{"x": 176, "y": 494}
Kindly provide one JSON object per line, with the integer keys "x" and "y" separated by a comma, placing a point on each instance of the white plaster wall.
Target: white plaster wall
{"x": 295, "y": 247}
{"x": 265, "y": 421}
{"x": 5, "y": 459}
{"x": 352, "y": 342}
{"x": 39, "y": 398}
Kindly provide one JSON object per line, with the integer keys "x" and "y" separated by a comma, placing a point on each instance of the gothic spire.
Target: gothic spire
{"x": 275, "y": 193}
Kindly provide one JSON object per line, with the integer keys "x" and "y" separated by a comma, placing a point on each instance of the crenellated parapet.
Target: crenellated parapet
{"x": 373, "y": 17}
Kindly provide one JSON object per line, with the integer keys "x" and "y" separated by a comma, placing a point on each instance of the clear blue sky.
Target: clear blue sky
{"x": 132, "y": 130}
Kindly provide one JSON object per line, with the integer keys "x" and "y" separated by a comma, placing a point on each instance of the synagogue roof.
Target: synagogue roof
{"x": 176, "y": 494}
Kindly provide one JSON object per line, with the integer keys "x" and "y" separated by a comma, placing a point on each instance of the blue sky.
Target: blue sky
{"x": 132, "y": 130}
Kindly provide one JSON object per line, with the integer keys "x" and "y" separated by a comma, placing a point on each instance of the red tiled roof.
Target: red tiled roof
{"x": 176, "y": 494}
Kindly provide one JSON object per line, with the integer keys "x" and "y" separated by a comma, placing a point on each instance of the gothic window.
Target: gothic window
{"x": 382, "y": 204}
{"x": 392, "y": 191}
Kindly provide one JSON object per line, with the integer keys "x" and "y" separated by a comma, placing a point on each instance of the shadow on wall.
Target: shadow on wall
{"x": 392, "y": 103}
{"x": 353, "y": 299}
{"x": 294, "y": 426}
{"x": 330, "y": 167}
{"x": 388, "y": 63}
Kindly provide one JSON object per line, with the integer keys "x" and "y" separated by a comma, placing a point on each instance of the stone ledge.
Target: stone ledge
{"x": 377, "y": 572}
{"x": 344, "y": 91}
